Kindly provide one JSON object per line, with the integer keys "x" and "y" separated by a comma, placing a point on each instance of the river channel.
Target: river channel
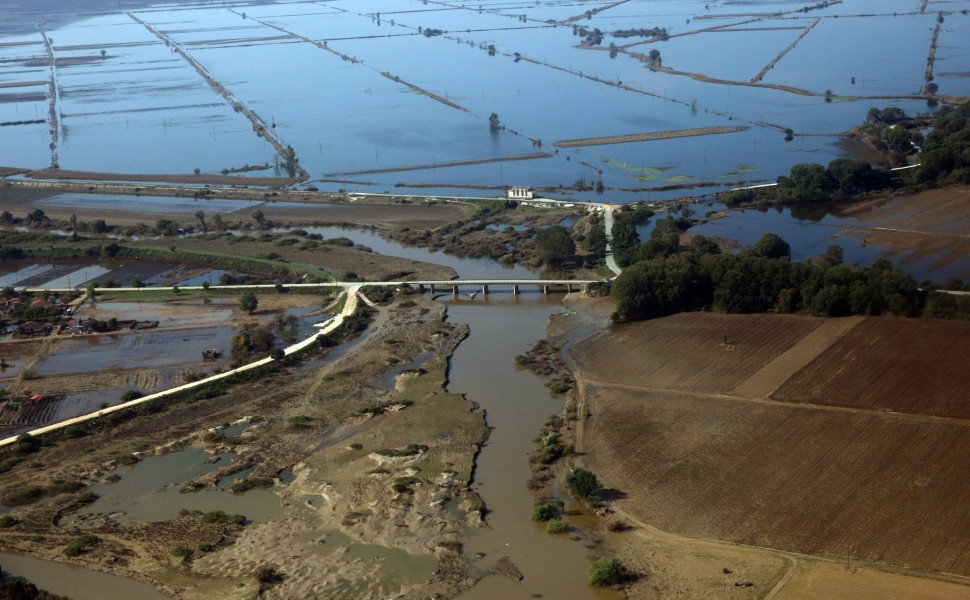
{"x": 517, "y": 404}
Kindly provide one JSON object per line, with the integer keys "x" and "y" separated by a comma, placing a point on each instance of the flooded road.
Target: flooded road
{"x": 517, "y": 404}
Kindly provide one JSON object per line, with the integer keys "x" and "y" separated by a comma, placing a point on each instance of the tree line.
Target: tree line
{"x": 761, "y": 278}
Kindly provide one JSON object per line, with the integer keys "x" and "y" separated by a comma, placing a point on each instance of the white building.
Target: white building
{"x": 520, "y": 192}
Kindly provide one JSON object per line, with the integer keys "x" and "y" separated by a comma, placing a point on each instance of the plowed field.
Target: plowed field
{"x": 687, "y": 351}
{"x": 799, "y": 434}
{"x": 904, "y": 365}
{"x": 891, "y": 488}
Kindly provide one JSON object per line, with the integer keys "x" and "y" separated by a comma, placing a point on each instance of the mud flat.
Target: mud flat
{"x": 682, "y": 428}
{"x": 647, "y": 137}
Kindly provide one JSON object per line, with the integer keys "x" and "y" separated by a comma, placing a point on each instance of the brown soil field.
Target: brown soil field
{"x": 787, "y": 477}
{"x": 687, "y": 351}
{"x": 891, "y": 364}
{"x": 646, "y": 137}
{"x": 680, "y": 432}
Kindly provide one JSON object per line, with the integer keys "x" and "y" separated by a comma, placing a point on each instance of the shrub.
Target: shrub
{"x": 22, "y": 496}
{"x": 65, "y": 487}
{"x": 556, "y": 526}
{"x": 548, "y": 511}
{"x": 87, "y": 498}
{"x": 80, "y": 544}
{"x": 130, "y": 395}
{"x": 605, "y": 572}
{"x": 268, "y": 574}
{"x": 182, "y": 552}
{"x": 8, "y": 521}
{"x": 402, "y": 485}
{"x": 410, "y": 450}
{"x": 218, "y": 516}
{"x": 300, "y": 422}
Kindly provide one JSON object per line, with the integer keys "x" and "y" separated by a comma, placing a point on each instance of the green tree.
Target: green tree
{"x": 248, "y": 301}
{"x": 493, "y": 121}
{"x": 606, "y": 572}
{"x": 654, "y": 55}
{"x": 258, "y": 216}
{"x": 770, "y": 246}
{"x": 583, "y": 484}
{"x": 555, "y": 245}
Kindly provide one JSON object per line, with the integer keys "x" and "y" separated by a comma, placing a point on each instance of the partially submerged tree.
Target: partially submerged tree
{"x": 248, "y": 301}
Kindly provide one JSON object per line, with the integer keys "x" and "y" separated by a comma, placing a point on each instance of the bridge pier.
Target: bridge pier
{"x": 545, "y": 289}
{"x": 484, "y": 290}
{"x": 420, "y": 288}
{"x": 432, "y": 289}
{"x": 515, "y": 290}
{"x": 454, "y": 290}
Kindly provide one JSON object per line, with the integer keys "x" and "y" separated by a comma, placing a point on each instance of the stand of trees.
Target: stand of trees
{"x": 761, "y": 278}
{"x": 808, "y": 182}
{"x": 945, "y": 155}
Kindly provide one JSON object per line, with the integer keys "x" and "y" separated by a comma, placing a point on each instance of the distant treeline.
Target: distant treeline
{"x": 944, "y": 158}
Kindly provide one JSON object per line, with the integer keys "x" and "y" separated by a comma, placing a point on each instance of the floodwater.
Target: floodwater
{"x": 92, "y": 354}
{"x": 331, "y": 80}
{"x": 76, "y": 582}
{"x": 149, "y": 491}
{"x": 467, "y": 268}
{"x": 517, "y": 404}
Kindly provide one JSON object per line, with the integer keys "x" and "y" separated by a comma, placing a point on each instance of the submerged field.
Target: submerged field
{"x": 825, "y": 442}
{"x": 403, "y": 92}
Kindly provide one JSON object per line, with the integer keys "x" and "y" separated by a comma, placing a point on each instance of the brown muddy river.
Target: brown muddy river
{"x": 517, "y": 404}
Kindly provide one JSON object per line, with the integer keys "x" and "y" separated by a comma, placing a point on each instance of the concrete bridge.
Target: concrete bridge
{"x": 433, "y": 286}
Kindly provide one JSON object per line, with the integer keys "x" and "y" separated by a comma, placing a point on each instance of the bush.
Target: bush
{"x": 65, "y": 487}
{"x": 8, "y": 521}
{"x": 87, "y": 498}
{"x": 268, "y": 574}
{"x": 182, "y": 552}
{"x": 218, "y": 516}
{"x": 556, "y": 526}
{"x": 21, "y": 496}
{"x": 548, "y": 511}
{"x": 410, "y": 450}
{"x": 402, "y": 485}
{"x": 130, "y": 395}
{"x": 300, "y": 422}
{"x": 80, "y": 544}
{"x": 606, "y": 572}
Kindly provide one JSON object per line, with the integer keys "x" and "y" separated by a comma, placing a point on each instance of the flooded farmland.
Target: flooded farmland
{"x": 400, "y": 93}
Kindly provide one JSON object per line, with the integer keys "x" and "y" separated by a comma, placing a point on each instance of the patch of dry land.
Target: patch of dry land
{"x": 812, "y": 443}
{"x": 931, "y": 227}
